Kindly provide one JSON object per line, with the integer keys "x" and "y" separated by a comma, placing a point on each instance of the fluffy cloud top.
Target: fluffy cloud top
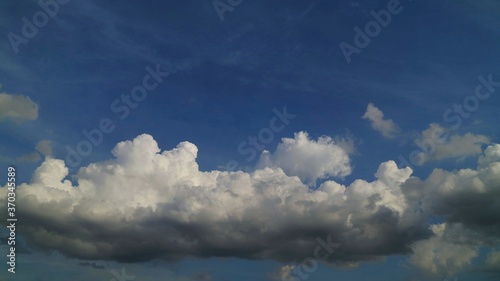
{"x": 17, "y": 107}
{"x": 146, "y": 204}
{"x": 386, "y": 127}
{"x": 308, "y": 159}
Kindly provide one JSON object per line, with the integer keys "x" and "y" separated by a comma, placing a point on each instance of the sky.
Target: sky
{"x": 250, "y": 140}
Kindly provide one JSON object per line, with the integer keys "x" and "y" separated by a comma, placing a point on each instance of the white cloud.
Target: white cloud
{"x": 17, "y": 107}
{"x": 146, "y": 204}
{"x": 469, "y": 201}
{"x": 444, "y": 254}
{"x": 308, "y": 159}
{"x": 386, "y": 127}
{"x": 437, "y": 145}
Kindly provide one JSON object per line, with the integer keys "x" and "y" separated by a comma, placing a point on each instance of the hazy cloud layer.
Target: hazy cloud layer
{"x": 17, "y": 107}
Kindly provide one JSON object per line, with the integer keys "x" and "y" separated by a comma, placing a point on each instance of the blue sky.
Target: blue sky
{"x": 210, "y": 77}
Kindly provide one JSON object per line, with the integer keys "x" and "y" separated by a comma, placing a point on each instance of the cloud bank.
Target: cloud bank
{"x": 146, "y": 204}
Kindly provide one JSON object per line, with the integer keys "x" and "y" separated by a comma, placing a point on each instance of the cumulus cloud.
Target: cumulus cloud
{"x": 308, "y": 159}
{"x": 467, "y": 196}
{"x": 445, "y": 253}
{"x": 469, "y": 201}
{"x": 436, "y": 144}
{"x": 150, "y": 204}
{"x": 17, "y": 107}
{"x": 386, "y": 127}
{"x": 146, "y": 204}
